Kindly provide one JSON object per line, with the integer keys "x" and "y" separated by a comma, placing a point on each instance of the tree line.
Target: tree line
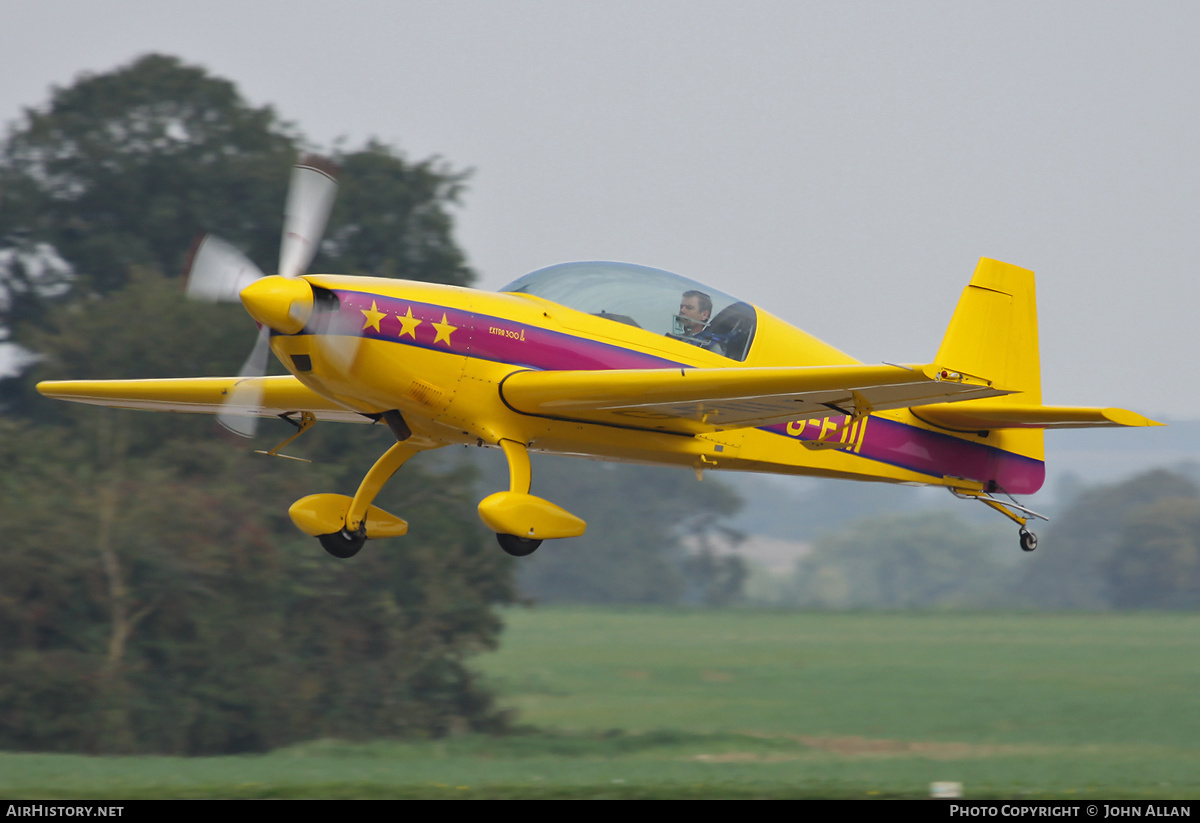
{"x": 1134, "y": 544}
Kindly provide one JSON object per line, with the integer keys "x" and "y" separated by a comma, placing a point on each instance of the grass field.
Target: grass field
{"x": 649, "y": 703}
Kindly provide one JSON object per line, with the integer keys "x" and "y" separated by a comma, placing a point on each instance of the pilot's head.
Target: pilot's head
{"x": 695, "y": 306}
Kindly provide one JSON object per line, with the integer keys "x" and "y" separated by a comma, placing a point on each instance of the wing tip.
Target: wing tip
{"x": 1125, "y": 417}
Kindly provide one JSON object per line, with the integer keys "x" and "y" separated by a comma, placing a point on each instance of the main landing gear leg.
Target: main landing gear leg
{"x": 520, "y": 520}
{"x": 387, "y": 465}
{"x": 1029, "y": 541}
{"x": 520, "y": 478}
{"x": 348, "y": 540}
{"x": 342, "y": 524}
{"x": 520, "y": 473}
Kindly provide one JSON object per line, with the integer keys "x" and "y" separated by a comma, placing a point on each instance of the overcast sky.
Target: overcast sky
{"x": 841, "y": 164}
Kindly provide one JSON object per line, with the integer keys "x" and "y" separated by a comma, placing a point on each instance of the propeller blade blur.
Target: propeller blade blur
{"x": 247, "y": 395}
{"x": 309, "y": 202}
{"x": 218, "y": 272}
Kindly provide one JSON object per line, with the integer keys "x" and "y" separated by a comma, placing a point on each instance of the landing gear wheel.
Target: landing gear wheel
{"x": 517, "y": 546}
{"x": 1028, "y": 540}
{"x": 343, "y": 544}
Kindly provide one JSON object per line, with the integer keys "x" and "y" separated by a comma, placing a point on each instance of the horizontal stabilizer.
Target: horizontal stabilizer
{"x": 201, "y": 395}
{"x": 699, "y": 400}
{"x": 981, "y": 416}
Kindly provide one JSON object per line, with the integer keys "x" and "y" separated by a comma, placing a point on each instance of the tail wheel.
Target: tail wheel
{"x": 1028, "y": 540}
{"x": 342, "y": 544}
{"x": 517, "y": 546}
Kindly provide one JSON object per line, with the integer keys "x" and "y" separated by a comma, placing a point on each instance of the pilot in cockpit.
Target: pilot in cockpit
{"x": 695, "y": 307}
{"x": 729, "y": 333}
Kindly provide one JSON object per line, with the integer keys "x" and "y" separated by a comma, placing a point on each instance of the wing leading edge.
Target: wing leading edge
{"x": 699, "y": 400}
{"x": 202, "y": 395}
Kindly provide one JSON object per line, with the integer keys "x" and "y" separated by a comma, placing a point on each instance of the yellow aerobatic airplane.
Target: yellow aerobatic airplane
{"x": 615, "y": 362}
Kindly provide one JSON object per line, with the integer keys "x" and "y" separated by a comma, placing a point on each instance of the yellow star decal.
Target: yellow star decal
{"x": 408, "y": 324}
{"x": 373, "y": 315}
{"x": 444, "y": 330}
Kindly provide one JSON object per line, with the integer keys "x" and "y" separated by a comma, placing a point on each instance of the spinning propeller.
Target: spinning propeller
{"x": 219, "y": 273}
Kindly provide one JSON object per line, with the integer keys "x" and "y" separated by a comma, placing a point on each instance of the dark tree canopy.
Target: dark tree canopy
{"x": 123, "y": 170}
{"x": 165, "y": 603}
{"x": 390, "y": 219}
{"x": 154, "y": 595}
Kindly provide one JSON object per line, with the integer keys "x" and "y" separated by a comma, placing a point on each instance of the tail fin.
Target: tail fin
{"x": 994, "y": 334}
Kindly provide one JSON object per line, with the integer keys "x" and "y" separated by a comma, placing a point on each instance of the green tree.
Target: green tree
{"x": 165, "y": 604}
{"x": 154, "y": 595}
{"x": 1071, "y": 569}
{"x": 1156, "y": 562}
{"x": 391, "y": 219}
{"x": 121, "y": 170}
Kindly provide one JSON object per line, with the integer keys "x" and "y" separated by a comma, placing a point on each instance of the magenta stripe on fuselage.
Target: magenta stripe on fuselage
{"x": 934, "y": 453}
{"x": 494, "y": 338}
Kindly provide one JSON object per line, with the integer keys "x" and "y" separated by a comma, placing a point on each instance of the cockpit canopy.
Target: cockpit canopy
{"x": 648, "y": 299}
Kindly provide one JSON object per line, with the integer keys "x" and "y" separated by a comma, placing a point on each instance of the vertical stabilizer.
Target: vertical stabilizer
{"x": 994, "y": 335}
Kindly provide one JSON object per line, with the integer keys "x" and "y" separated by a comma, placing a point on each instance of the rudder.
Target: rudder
{"x": 993, "y": 334}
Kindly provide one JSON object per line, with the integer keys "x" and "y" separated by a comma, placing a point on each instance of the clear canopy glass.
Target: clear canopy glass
{"x": 650, "y": 299}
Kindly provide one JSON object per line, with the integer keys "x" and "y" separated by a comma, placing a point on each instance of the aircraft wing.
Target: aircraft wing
{"x": 201, "y": 395}
{"x": 699, "y": 400}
